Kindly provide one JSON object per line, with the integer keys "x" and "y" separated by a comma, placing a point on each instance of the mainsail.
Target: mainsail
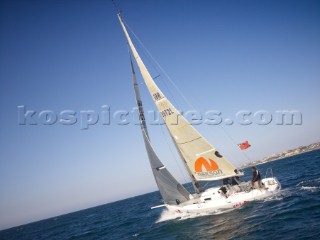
{"x": 172, "y": 192}
{"x": 203, "y": 161}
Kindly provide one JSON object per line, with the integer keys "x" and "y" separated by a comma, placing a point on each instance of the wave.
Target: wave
{"x": 311, "y": 189}
{"x": 311, "y": 185}
{"x": 317, "y": 180}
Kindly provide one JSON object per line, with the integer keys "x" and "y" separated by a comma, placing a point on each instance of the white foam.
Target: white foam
{"x": 167, "y": 215}
{"x": 308, "y": 181}
{"x": 311, "y": 189}
{"x": 277, "y": 197}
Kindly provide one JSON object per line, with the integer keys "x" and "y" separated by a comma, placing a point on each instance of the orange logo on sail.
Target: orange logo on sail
{"x": 202, "y": 162}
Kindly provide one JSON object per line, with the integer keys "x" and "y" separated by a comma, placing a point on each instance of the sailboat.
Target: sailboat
{"x": 202, "y": 161}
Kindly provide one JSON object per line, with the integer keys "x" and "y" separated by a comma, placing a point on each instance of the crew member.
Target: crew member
{"x": 256, "y": 178}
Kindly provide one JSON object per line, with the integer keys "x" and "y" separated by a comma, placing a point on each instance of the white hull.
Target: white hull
{"x": 212, "y": 201}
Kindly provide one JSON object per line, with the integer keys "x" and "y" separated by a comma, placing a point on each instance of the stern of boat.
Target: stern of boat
{"x": 271, "y": 184}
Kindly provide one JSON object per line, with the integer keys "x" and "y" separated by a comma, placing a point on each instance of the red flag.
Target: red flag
{"x": 244, "y": 145}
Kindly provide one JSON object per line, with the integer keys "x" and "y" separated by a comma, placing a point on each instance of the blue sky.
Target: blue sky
{"x": 72, "y": 55}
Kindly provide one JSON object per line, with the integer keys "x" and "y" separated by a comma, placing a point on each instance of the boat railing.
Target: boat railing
{"x": 269, "y": 172}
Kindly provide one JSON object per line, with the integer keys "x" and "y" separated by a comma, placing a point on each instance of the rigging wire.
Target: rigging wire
{"x": 234, "y": 142}
{"x": 116, "y": 5}
{"x": 174, "y": 156}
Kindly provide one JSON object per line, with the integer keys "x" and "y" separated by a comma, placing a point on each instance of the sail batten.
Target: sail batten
{"x": 172, "y": 192}
{"x": 203, "y": 161}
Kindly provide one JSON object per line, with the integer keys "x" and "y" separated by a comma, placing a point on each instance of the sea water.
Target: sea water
{"x": 292, "y": 214}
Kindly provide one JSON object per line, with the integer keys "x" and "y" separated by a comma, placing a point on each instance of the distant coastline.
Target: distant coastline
{"x": 288, "y": 153}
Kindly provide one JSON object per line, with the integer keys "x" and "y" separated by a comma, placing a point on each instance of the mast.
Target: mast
{"x": 203, "y": 161}
{"x": 139, "y": 101}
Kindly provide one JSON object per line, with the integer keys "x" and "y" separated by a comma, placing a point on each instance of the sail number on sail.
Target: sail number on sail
{"x": 157, "y": 96}
{"x": 166, "y": 112}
